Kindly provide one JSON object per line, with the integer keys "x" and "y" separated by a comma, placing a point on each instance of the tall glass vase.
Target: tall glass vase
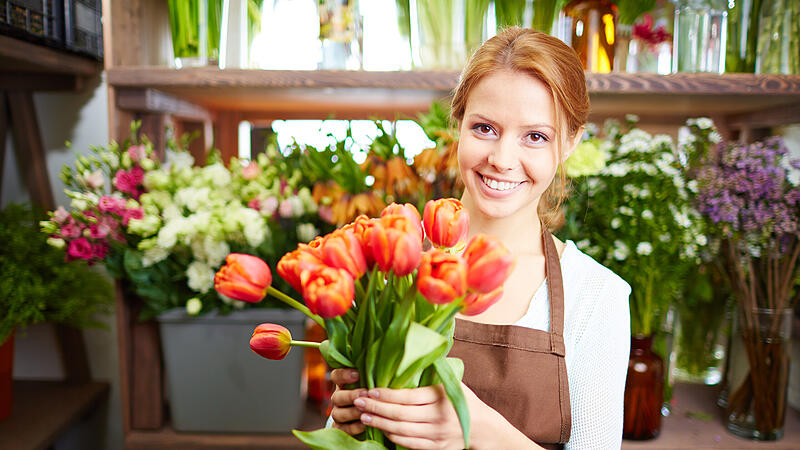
{"x": 195, "y": 29}
{"x": 743, "y": 17}
{"x": 700, "y": 36}
{"x": 758, "y": 374}
{"x": 592, "y": 24}
{"x": 445, "y": 32}
{"x": 779, "y": 37}
{"x": 644, "y": 391}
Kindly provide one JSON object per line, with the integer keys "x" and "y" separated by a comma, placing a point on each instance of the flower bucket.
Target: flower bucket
{"x": 6, "y": 374}
{"x": 215, "y": 383}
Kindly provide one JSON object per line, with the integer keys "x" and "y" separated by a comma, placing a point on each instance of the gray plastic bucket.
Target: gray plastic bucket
{"x": 216, "y": 383}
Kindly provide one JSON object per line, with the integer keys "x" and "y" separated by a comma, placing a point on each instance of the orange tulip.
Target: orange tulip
{"x": 442, "y": 276}
{"x": 328, "y": 291}
{"x": 489, "y": 263}
{"x": 396, "y": 245}
{"x": 243, "y": 277}
{"x": 408, "y": 210}
{"x": 292, "y": 264}
{"x": 361, "y": 228}
{"x": 475, "y": 303}
{"x": 271, "y": 341}
{"x": 341, "y": 249}
{"x": 446, "y": 222}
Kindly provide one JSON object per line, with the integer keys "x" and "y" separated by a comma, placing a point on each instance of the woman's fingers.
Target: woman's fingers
{"x": 351, "y": 428}
{"x": 345, "y": 397}
{"x": 342, "y": 377}
{"x": 401, "y": 428}
{"x": 412, "y": 442}
{"x": 414, "y": 396}
{"x": 398, "y": 411}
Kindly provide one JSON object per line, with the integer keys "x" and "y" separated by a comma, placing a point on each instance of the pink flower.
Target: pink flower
{"x": 128, "y": 214}
{"x": 128, "y": 182}
{"x": 137, "y": 152}
{"x": 254, "y": 204}
{"x": 98, "y": 230}
{"x": 285, "y": 209}
{"x": 70, "y": 229}
{"x": 95, "y": 179}
{"x": 111, "y": 204}
{"x": 61, "y": 215}
{"x": 80, "y": 249}
{"x": 99, "y": 250}
{"x": 113, "y": 227}
{"x": 325, "y": 213}
{"x": 250, "y": 171}
{"x": 269, "y": 206}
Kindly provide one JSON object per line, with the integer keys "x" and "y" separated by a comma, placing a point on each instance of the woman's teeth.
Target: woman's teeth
{"x": 499, "y": 185}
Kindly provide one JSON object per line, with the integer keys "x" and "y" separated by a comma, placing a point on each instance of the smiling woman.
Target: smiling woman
{"x": 545, "y": 365}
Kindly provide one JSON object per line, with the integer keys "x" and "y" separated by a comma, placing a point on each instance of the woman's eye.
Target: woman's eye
{"x": 482, "y": 128}
{"x": 537, "y": 138}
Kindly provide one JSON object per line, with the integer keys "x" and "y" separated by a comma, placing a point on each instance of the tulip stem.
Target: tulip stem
{"x": 294, "y": 343}
{"x": 296, "y": 305}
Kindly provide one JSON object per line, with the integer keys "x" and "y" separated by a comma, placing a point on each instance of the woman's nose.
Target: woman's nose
{"x": 503, "y": 156}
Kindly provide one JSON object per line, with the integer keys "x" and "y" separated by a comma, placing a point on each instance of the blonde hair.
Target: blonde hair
{"x": 553, "y": 63}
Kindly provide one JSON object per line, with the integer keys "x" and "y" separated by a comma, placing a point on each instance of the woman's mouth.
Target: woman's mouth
{"x": 498, "y": 185}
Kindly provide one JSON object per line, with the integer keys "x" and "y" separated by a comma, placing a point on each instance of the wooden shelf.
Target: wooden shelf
{"x": 679, "y": 430}
{"x": 320, "y": 94}
{"x": 42, "y": 410}
{"x": 28, "y": 66}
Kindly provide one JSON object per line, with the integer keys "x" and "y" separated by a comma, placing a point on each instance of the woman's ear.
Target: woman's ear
{"x": 573, "y": 142}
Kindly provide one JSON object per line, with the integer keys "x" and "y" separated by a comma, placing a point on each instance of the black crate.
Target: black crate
{"x": 83, "y": 30}
{"x": 40, "y": 21}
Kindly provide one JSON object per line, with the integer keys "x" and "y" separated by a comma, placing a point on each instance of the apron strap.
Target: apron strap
{"x": 555, "y": 291}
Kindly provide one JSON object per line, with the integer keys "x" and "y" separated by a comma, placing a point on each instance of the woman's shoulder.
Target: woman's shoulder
{"x": 584, "y": 272}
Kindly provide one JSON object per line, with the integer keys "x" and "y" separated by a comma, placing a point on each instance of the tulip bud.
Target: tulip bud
{"x": 475, "y": 303}
{"x": 271, "y": 341}
{"x": 243, "y": 277}
{"x": 328, "y": 292}
{"x": 489, "y": 263}
{"x": 442, "y": 276}
{"x": 446, "y": 222}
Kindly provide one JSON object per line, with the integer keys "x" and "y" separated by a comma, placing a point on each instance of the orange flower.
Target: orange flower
{"x": 475, "y": 303}
{"x": 328, "y": 291}
{"x": 408, "y": 210}
{"x": 271, "y": 341}
{"x": 292, "y": 264}
{"x": 442, "y": 276}
{"x": 343, "y": 250}
{"x": 489, "y": 263}
{"x": 361, "y": 228}
{"x": 446, "y": 222}
{"x": 243, "y": 277}
{"x": 396, "y": 245}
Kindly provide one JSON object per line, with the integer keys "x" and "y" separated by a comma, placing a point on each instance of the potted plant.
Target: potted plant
{"x": 635, "y": 218}
{"x": 37, "y": 285}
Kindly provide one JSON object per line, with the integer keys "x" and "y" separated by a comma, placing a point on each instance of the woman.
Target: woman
{"x": 547, "y": 363}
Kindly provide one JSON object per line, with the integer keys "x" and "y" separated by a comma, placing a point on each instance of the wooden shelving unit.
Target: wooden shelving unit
{"x": 213, "y": 102}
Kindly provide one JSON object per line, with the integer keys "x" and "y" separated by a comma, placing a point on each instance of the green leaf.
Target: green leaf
{"x": 337, "y": 333}
{"x": 423, "y": 346}
{"x": 393, "y": 342}
{"x": 452, "y": 386}
{"x": 332, "y": 438}
{"x": 332, "y": 356}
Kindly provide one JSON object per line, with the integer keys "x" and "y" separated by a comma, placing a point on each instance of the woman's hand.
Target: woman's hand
{"x": 423, "y": 418}
{"x": 345, "y": 415}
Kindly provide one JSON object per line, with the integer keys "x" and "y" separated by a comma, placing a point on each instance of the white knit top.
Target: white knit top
{"x": 597, "y": 339}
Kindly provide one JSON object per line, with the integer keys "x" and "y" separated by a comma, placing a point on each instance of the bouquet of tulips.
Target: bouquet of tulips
{"x": 387, "y": 306}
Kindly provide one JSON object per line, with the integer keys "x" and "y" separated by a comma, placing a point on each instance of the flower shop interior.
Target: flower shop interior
{"x": 143, "y": 141}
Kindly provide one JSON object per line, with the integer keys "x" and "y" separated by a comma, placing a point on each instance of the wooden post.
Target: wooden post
{"x": 29, "y": 148}
{"x": 226, "y": 134}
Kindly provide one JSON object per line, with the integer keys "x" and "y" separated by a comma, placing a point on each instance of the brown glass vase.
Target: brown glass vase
{"x": 592, "y": 24}
{"x": 644, "y": 391}
{"x": 6, "y": 374}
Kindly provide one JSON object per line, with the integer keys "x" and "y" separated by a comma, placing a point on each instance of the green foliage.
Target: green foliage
{"x": 37, "y": 285}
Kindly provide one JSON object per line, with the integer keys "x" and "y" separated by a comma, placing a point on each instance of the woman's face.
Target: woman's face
{"x": 507, "y": 150}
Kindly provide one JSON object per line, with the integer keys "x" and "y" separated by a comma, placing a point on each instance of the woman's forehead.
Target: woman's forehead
{"x": 512, "y": 96}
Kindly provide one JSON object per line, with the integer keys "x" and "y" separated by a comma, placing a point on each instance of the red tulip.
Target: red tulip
{"x": 361, "y": 228}
{"x": 271, "y": 341}
{"x": 446, "y": 222}
{"x": 396, "y": 245}
{"x": 341, "y": 249}
{"x": 475, "y": 303}
{"x": 489, "y": 263}
{"x": 243, "y": 277}
{"x": 292, "y": 264}
{"x": 328, "y": 291}
{"x": 407, "y": 210}
{"x": 442, "y": 276}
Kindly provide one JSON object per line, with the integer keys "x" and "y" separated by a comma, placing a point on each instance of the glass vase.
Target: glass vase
{"x": 759, "y": 373}
{"x": 700, "y": 36}
{"x": 779, "y": 37}
{"x": 592, "y": 25}
{"x": 644, "y": 391}
{"x": 195, "y": 30}
{"x": 445, "y": 32}
{"x": 742, "y": 36}
{"x": 701, "y": 339}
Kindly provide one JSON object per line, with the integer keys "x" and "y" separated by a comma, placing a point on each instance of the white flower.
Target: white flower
{"x": 217, "y": 175}
{"x": 193, "y": 306}
{"x": 192, "y": 198}
{"x": 111, "y": 159}
{"x": 153, "y": 255}
{"x": 644, "y": 193}
{"x": 168, "y": 234}
{"x": 704, "y": 123}
{"x": 621, "y": 251}
{"x": 692, "y": 185}
{"x": 582, "y": 244}
{"x": 626, "y": 210}
{"x": 631, "y": 118}
{"x": 644, "y": 248}
{"x": 55, "y": 242}
{"x": 215, "y": 251}
{"x": 617, "y": 169}
{"x": 647, "y": 214}
{"x": 181, "y": 160}
{"x": 701, "y": 239}
{"x": 201, "y": 276}
{"x": 297, "y": 206}
{"x": 714, "y": 137}
{"x": 682, "y": 219}
{"x": 665, "y": 237}
{"x": 616, "y": 222}
{"x": 306, "y": 232}
{"x": 145, "y": 226}
{"x": 79, "y": 203}
{"x": 156, "y": 180}
{"x": 171, "y": 212}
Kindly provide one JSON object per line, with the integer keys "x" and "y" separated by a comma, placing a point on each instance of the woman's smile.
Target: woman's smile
{"x": 496, "y": 187}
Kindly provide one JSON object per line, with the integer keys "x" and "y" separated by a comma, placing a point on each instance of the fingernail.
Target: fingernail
{"x": 374, "y": 393}
{"x": 366, "y": 418}
{"x": 362, "y": 393}
{"x": 353, "y": 375}
{"x": 360, "y": 403}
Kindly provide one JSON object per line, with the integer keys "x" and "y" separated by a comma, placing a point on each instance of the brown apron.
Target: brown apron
{"x": 519, "y": 371}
